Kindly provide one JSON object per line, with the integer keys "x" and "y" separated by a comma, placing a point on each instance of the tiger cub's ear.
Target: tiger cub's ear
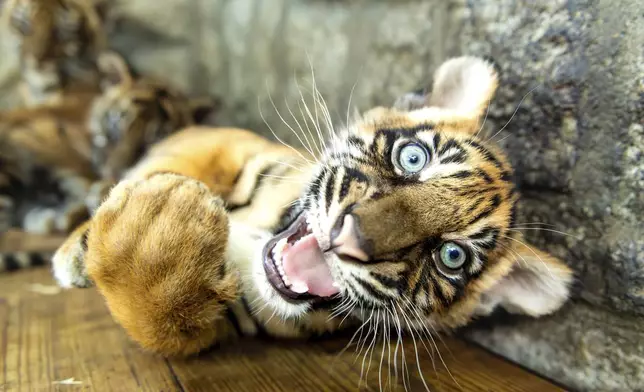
{"x": 464, "y": 85}
{"x": 461, "y": 92}
{"x": 537, "y": 284}
{"x": 114, "y": 70}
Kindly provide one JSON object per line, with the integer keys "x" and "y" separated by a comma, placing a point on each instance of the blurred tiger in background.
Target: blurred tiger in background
{"x": 58, "y": 161}
{"x": 58, "y": 42}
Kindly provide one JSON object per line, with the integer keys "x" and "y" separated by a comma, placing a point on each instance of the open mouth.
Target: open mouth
{"x": 295, "y": 265}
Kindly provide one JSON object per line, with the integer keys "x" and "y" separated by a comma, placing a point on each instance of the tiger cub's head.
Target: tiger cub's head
{"x": 412, "y": 213}
{"x": 49, "y": 30}
{"x": 133, "y": 113}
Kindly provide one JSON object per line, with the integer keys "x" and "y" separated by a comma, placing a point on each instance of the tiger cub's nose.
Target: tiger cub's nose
{"x": 347, "y": 239}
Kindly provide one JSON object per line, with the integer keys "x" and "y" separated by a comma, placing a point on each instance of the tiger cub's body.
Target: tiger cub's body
{"x": 58, "y": 43}
{"x": 405, "y": 221}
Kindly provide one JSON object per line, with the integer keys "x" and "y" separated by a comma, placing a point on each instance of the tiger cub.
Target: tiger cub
{"x": 406, "y": 218}
{"x": 58, "y": 41}
{"x": 58, "y": 161}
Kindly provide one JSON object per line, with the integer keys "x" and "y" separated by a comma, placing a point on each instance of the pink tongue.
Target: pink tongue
{"x": 304, "y": 264}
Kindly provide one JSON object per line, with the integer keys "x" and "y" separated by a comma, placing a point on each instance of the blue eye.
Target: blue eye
{"x": 412, "y": 158}
{"x": 452, "y": 255}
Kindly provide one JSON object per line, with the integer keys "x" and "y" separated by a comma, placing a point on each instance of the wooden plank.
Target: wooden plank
{"x": 48, "y": 336}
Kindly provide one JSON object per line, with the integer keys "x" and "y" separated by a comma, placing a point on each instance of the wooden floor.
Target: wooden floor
{"x": 66, "y": 341}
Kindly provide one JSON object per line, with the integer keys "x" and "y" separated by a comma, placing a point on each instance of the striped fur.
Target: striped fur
{"x": 10, "y": 262}
{"x": 176, "y": 248}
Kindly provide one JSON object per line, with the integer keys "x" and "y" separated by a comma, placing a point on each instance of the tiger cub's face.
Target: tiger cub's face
{"x": 54, "y": 29}
{"x": 132, "y": 114}
{"x": 411, "y": 212}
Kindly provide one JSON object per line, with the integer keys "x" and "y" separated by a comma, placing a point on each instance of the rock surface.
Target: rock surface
{"x": 570, "y": 112}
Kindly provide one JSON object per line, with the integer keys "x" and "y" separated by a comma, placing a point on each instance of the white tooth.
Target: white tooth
{"x": 299, "y": 287}
{"x": 281, "y": 244}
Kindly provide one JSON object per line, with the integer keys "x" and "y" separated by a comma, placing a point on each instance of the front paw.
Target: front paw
{"x": 156, "y": 251}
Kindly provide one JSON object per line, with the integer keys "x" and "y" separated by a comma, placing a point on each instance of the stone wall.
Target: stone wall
{"x": 576, "y": 139}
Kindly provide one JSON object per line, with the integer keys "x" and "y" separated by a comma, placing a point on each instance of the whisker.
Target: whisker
{"x": 489, "y": 103}
{"x": 292, "y": 179}
{"x": 261, "y": 114}
{"x": 310, "y": 116}
{"x": 382, "y": 352}
{"x": 311, "y": 142}
{"x": 431, "y": 338}
{"x": 535, "y": 253}
{"x": 515, "y": 111}
{"x": 270, "y": 98}
{"x": 517, "y": 229}
{"x": 351, "y": 94}
{"x": 413, "y": 338}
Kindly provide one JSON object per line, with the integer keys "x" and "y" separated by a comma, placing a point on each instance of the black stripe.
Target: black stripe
{"x": 461, "y": 174}
{"x": 233, "y": 320}
{"x": 84, "y": 240}
{"x": 390, "y": 140}
{"x": 328, "y": 189}
{"x": 437, "y": 141}
{"x": 486, "y": 238}
{"x": 475, "y": 205}
{"x": 483, "y": 261}
{"x": 344, "y": 187}
{"x": 356, "y": 175}
{"x": 423, "y": 279}
{"x": 438, "y": 292}
{"x": 348, "y": 157}
{"x": 459, "y": 157}
{"x": 407, "y": 132}
{"x": 387, "y": 281}
{"x": 314, "y": 188}
{"x": 486, "y": 177}
{"x": 513, "y": 215}
{"x": 11, "y": 263}
{"x": 371, "y": 290}
{"x": 496, "y": 201}
{"x": 507, "y": 176}
{"x": 487, "y": 154}
{"x": 357, "y": 142}
{"x": 37, "y": 259}
{"x": 451, "y": 143}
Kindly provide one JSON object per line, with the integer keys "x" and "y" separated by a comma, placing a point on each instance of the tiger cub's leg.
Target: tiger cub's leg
{"x": 156, "y": 251}
{"x": 69, "y": 260}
